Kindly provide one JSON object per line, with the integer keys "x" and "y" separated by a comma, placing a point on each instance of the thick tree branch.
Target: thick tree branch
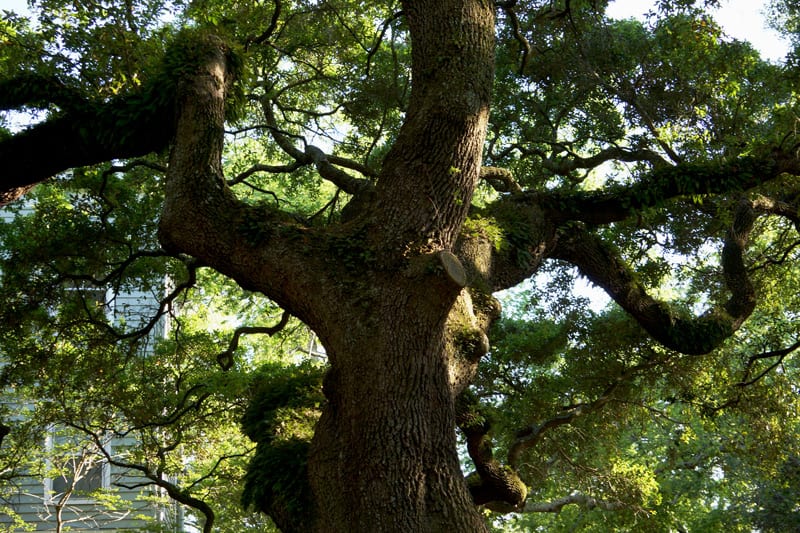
{"x": 664, "y": 183}
{"x": 262, "y": 248}
{"x": 41, "y": 92}
{"x": 783, "y": 208}
{"x": 116, "y": 131}
{"x": 599, "y": 262}
{"x": 501, "y": 179}
{"x": 4, "y": 431}
{"x": 494, "y": 485}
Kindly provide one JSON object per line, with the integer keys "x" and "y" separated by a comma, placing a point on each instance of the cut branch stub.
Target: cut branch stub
{"x": 453, "y": 268}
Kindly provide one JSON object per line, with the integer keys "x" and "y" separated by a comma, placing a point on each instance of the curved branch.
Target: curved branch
{"x": 325, "y": 164}
{"x": 225, "y": 358}
{"x": 501, "y": 179}
{"x": 613, "y": 153}
{"x": 372, "y": 51}
{"x": 174, "y": 492}
{"x": 202, "y": 217}
{"x": 525, "y": 45}
{"x": 273, "y": 25}
{"x": 599, "y": 262}
{"x": 273, "y": 169}
{"x": 496, "y": 486}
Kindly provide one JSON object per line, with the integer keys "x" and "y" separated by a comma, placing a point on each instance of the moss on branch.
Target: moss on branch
{"x": 86, "y": 132}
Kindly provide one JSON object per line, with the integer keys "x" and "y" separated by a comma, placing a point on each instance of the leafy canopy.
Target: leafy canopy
{"x": 580, "y": 399}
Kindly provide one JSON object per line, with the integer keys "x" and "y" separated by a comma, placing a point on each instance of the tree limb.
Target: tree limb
{"x": 324, "y": 163}
{"x": 174, "y": 491}
{"x": 225, "y": 358}
{"x": 668, "y": 182}
{"x": 494, "y": 485}
{"x": 779, "y": 354}
{"x": 530, "y": 436}
{"x": 85, "y": 133}
{"x": 599, "y": 262}
{"x": 501, "y": 179}
{"x": 38, "y": 91}
{"x": 613, "y": 153}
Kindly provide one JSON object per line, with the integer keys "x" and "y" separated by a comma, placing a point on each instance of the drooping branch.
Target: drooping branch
{"x": 164, "y": 305}
{"x": 599, "y": 262}
{"x": 174, "y": 491}
{"x": 154, "y": 477}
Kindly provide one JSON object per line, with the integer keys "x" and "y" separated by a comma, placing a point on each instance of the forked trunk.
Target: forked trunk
{"x": 384, "y": 453}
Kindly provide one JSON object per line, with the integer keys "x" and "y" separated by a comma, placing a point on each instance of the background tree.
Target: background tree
{"x": 363, "y": 186}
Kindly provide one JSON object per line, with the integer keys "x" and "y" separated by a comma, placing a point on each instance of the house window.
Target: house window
{"x": 84, "y": 478}
{"x": 76, "y": 471}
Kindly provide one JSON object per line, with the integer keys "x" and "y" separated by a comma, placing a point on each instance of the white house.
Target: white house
{"x": 73, "y": 487}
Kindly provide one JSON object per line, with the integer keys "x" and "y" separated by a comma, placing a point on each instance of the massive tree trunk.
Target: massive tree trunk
{"x": 378, "y": 290}
{"x": 384, "y": 454}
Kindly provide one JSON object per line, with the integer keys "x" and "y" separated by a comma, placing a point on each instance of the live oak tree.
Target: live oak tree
{"x": 459, "y": 147}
